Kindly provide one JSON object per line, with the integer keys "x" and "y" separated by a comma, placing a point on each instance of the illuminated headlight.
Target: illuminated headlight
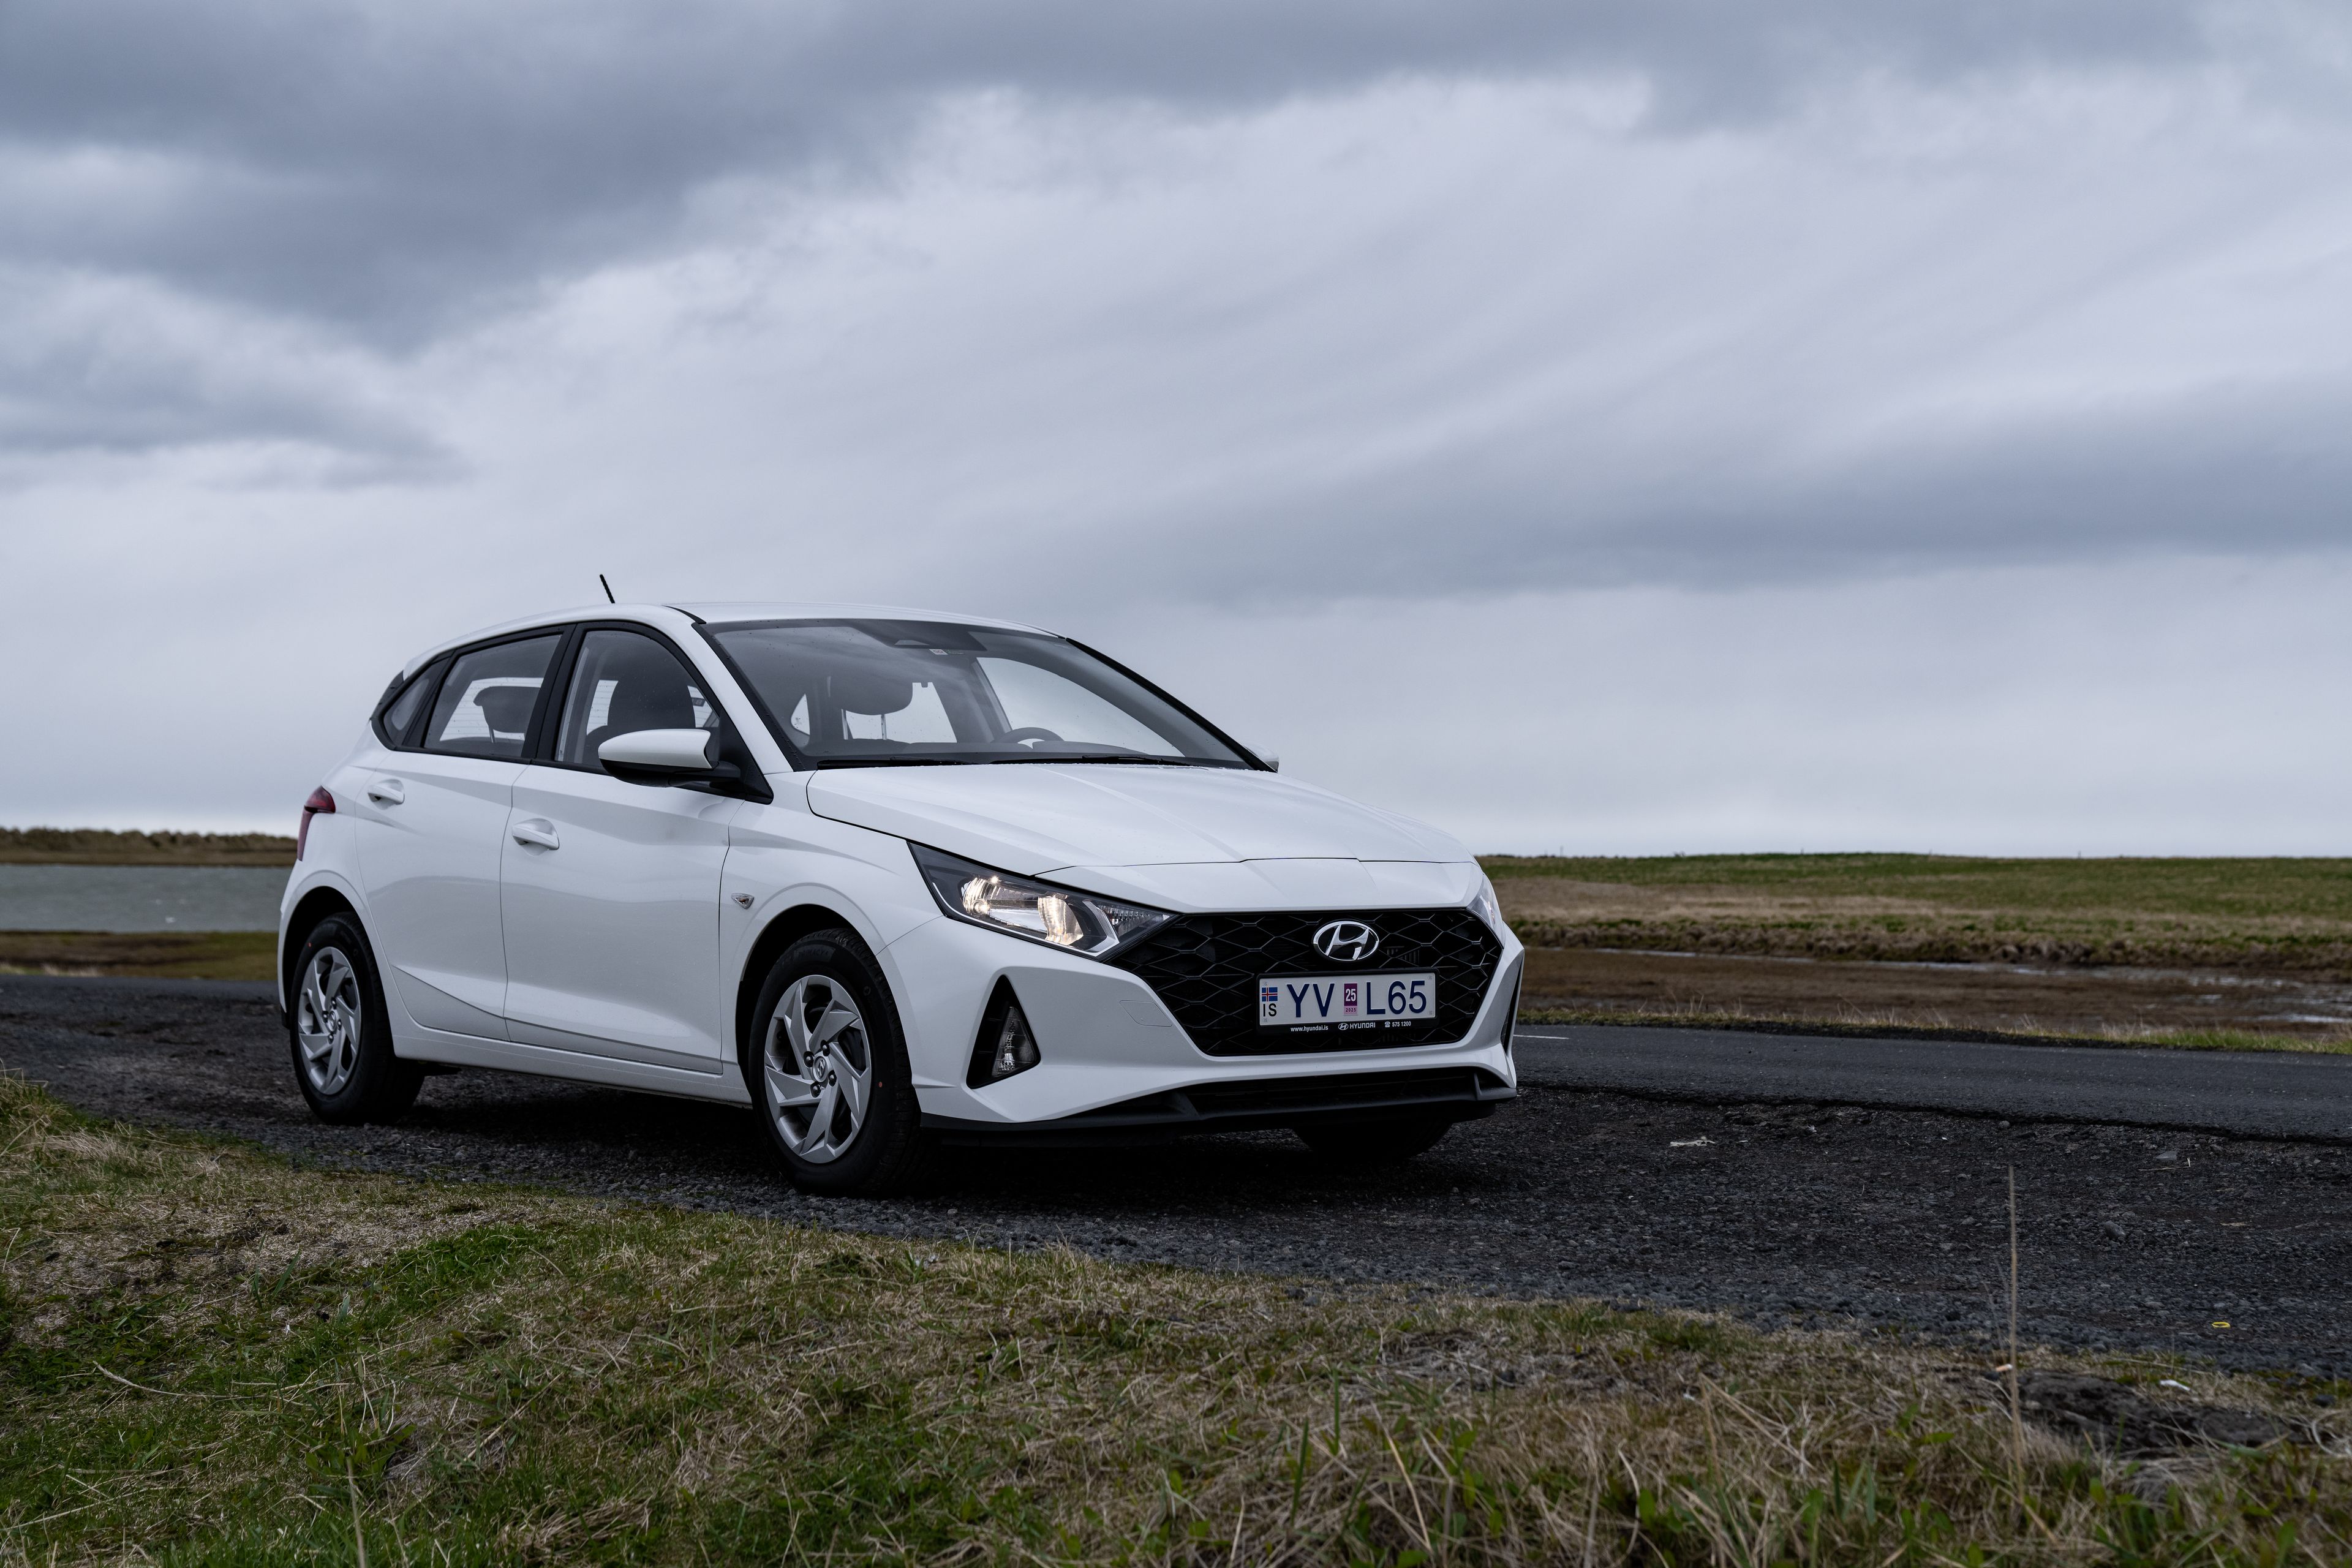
{"x": 1058, "y": 917}
{"x": 1489, "y": 908}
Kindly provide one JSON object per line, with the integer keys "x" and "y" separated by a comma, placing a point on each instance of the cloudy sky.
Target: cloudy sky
{"x": 1622, "y": 426}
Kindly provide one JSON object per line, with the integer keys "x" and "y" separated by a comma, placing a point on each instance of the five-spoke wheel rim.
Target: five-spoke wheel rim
{"x": 327, "y": 1020}
{"x": 819, "y": 1067}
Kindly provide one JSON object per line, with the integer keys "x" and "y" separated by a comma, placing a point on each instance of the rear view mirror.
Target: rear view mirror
{"x": 659, "y": 756}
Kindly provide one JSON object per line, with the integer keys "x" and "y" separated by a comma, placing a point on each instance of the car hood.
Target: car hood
{"x": 1037, "y": 818}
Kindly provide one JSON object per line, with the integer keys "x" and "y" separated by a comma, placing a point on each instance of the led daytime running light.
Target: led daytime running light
{"x": 1058, "y": 917}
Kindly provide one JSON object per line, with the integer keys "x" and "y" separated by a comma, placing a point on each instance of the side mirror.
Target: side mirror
{"x": 700, "y": 758}
{"x": 659, "y": 756}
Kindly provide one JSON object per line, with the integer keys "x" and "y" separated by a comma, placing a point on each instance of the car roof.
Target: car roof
{"x": 717, "y": 613}
{"x": 738, "y": 612}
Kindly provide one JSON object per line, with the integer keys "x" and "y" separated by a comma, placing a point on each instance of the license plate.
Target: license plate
{"x": 1345, "y": 1001}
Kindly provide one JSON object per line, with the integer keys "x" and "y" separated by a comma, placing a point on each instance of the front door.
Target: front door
{"x": 611, "y": 889}
{"x": 430, "y": 833}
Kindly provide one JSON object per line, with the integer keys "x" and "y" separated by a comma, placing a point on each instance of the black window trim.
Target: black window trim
{"x": 436, "y": 670}
{"x": 802, "y": 762}
{"x": 733, "y": 749}
{"x": 429, "y": 676}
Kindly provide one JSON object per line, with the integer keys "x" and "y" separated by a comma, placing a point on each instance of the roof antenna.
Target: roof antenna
{"x": 608, "y": 590}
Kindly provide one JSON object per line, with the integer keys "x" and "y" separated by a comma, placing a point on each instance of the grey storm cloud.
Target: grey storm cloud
{"x": 390, "y": 167}
{"x": 225, "y": 221}
{"x": 2222, "y": 476}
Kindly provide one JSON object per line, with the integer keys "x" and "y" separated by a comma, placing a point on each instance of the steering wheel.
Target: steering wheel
{"x": 1028, "y": 732}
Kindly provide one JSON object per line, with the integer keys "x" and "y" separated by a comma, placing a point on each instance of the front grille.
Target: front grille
{"x": 1206, "y": 968}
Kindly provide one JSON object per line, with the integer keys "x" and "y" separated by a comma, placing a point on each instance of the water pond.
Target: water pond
{"x": 139, "y": 898}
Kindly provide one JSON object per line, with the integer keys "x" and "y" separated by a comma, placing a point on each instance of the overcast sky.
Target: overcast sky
{"x": 1625, "y": 427}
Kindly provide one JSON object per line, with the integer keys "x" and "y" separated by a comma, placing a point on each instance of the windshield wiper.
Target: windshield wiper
{"x": 1137, "y": 759}
{"x": 1075, "y": 757}
{"x": 892, "y": 761}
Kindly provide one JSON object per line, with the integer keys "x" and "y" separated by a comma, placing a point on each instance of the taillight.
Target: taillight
{"x": 320, "y": 802}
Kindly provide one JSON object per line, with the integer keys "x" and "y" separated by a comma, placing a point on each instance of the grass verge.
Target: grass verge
{"x": 211, "y": 1356}
{"x": 180, "y": 955}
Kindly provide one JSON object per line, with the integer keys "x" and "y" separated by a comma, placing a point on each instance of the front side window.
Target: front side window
{"x": 486, "y": 703}
{"x": 624, "y": 683}
{"x": 857, "y": 692}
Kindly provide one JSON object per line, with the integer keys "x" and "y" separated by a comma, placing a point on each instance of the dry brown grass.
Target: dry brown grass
{"x": 1556, "y": 912}
{"x": 101, "y": 847}
{"x": 179, "y": 955}
{"x": 2285, "y": 917}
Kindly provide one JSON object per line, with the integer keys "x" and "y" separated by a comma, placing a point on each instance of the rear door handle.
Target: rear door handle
{"x": 537, "y": 830}
{"x": 386, "y": 792}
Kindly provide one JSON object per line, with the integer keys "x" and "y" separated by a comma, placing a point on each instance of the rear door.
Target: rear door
{"x": 431, "y": 831}
{"x": 611, "y": 889}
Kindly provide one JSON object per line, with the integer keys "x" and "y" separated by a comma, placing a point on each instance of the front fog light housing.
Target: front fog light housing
{"x": 1006, "y": 1045}
{"x": 1040, "y": 912}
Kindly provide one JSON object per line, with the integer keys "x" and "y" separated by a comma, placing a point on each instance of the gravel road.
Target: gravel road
{"x": 1779, "y": 1208}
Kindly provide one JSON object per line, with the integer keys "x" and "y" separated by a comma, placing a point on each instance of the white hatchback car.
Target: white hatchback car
{"x": 895, "y": 879}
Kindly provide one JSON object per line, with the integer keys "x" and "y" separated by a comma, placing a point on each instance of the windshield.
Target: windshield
{"x": 866, "y": 693}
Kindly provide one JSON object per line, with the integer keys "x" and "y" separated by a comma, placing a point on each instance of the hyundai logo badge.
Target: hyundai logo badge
{"x": 1346, "y": 942}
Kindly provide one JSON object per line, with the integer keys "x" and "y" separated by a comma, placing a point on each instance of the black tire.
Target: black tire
{"x": 346, "y": 1069}
{"x": 884, "y": 1150}
{"x": 1389, "y": 1140}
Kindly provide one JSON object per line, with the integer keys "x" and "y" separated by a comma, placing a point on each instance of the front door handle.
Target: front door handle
{"x": 539, "y": 831}
{"x": 386, "y": 792}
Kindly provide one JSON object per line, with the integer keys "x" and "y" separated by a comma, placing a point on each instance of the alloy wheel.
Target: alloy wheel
{"x": 819, "y": 1067}
{"x": 327, "y": 1013}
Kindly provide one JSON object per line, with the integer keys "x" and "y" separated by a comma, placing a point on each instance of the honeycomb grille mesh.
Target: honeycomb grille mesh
{"x": 1206, "y": 968}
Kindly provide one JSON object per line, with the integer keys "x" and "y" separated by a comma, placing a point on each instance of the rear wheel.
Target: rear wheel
{"x": 340, "y": 1031}
{"x": 826, "y": 1066}
{"x": 1389, "y": 1140}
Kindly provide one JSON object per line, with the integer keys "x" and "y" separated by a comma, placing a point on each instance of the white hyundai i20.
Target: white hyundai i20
{"x": 895, "y": 880}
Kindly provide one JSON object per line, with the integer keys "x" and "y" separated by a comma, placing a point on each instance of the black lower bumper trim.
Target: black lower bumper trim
{"x": 1459, "y": 1094}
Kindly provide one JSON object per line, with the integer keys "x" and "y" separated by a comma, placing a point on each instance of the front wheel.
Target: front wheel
{"x": 826, "y": 1066}
{"x": 1389, "y": 1140}
{"x": 340, "y": 1031}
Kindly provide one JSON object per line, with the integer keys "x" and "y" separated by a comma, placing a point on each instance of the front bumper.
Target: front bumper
{"x": 1110, "y": 1045}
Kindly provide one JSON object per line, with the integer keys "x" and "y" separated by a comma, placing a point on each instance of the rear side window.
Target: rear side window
{"x": 485, "y": 704}
{"x": 400, "y": 719}
{"x": 626, "y": 682}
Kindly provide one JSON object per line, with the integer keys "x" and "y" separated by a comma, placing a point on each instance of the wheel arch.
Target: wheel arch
{"x": 315, "y": 906}
{"x": 788, "y": 927}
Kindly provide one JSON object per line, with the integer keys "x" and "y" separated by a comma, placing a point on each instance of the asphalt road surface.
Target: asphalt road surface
{"x": 1785, "y": 1180}
{"x": 2268, "y": 1094}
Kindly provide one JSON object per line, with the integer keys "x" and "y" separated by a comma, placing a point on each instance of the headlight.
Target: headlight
{"x": 1058, "y": 917}
{"x": 1489, "y": 908}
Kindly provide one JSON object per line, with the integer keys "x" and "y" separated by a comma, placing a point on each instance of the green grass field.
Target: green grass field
{"x": 2282, "y": 916}
{"x": 211, "y": 1356}
{"x": 2311, "y": 889}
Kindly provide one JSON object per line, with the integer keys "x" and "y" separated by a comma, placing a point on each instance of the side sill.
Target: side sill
{"x": 544, "y": 1061}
